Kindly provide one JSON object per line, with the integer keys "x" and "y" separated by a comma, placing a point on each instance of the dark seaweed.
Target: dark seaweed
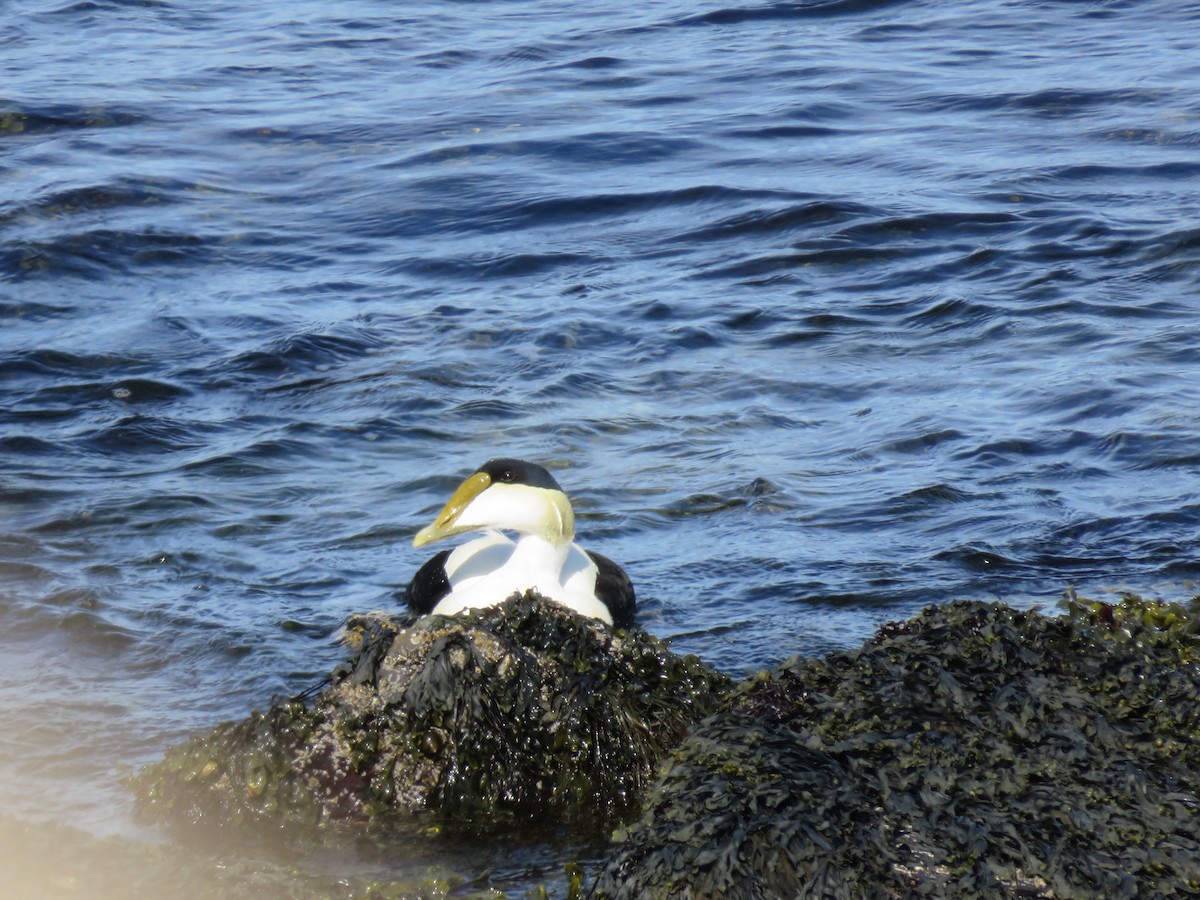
{"x": 524, "y": 711}
{"x": 974, "y": 751}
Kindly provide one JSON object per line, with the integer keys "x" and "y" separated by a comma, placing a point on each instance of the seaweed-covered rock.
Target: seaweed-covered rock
{"x": 521, "y": 709}
{"x": 973, "y": 751}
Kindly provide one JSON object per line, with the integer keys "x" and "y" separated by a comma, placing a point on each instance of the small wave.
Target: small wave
{"x": 1161, "y": 137}
{"x": 1010, "y": 453}
{"x": 101, "y": 251}
{"x": 498, "y": 266}
{"x": 306, "y": 352}
{"x": 77, "y": 615}
{"x": 759, "y": 493}
{"x": 80, "y": 389}
{"x": 26, "y": 445}
{"x": 830, "y": 255}
{"x": 929, "y": 225}
{"x": 65, "y": 117}
{"x": 922, "y": 443}
{"x": 141, "y": 435}
{"x": 783, "y": 132}
{"x": 951, "y": 312}
{"x": 487, "y": 408}
{"x": 584, "y": 148}
{"x": 752, "y": 320}
{"x": 101, "y": 197}
{"x": 979, "y": 558}
{"x": 931, "y": 496}
{"x": 809, "y": 212}
{"x": 108, "y": 6}
{"x": 547, "y": 212}
{"x": 14, "y": 310}
{"x": 575, "y": 385}
{"x": 1051, "y": 103}
{"x": 773, "y": 11}
{"x": 262, "y": 457}
{"x": 1147, "y": 451}
{"x": 147, "y": 390}
{"x": 1092, "y": 173}
{"x": 131, "y": 391}
{"x": 527, "y": 53}
{"x": 48, "y": 363}
{"x": 447, "y": 58}
{"x": 1183, "y": 243}
{"x": 12, "y": 572}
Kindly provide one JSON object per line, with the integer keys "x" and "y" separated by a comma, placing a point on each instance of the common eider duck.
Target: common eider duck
{"x": 521, "y": 497}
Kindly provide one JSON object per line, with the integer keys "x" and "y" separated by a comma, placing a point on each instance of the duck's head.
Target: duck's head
{"x": 505, "y": 494}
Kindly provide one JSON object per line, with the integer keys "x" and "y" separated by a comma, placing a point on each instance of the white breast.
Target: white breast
{"x": 488, "y": 570}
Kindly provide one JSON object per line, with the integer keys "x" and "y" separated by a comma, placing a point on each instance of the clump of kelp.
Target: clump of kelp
{"x": 521, "y": 710}
{"x": 974, "y": 751}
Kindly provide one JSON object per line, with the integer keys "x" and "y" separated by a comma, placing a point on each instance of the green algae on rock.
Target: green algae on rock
{"x": 974, "y": 751}
{"x": 519, "y": 710}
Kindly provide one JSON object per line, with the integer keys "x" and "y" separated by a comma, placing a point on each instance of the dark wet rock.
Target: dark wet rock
{"x": 974, "y": 751}
{"x": 524, "y": 710}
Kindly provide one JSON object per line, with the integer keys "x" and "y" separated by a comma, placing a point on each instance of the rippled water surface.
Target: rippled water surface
{"x": 821, "y": 311}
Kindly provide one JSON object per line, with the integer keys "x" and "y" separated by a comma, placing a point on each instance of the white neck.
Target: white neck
{"x": 534, "y": 512}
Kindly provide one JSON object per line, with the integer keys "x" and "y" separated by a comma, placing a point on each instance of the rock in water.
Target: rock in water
{"x": 518, "y": 710}
{"x": 975, "y": 751}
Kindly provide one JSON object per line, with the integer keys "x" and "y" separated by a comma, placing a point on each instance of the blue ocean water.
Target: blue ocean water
{"x": 821, "y": 311}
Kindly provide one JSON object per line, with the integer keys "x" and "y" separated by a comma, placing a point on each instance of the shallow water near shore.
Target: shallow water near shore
{"x": 821, "y": 312}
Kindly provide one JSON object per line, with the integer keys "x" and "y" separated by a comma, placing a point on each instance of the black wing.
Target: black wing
{"x": 614, "y": 590}
{"x": 429, "y": 585}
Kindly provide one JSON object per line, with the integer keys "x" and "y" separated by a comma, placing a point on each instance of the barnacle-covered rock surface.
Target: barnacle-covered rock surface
{"x": 973, "y": 751}
{"x": 525, "y": 710}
